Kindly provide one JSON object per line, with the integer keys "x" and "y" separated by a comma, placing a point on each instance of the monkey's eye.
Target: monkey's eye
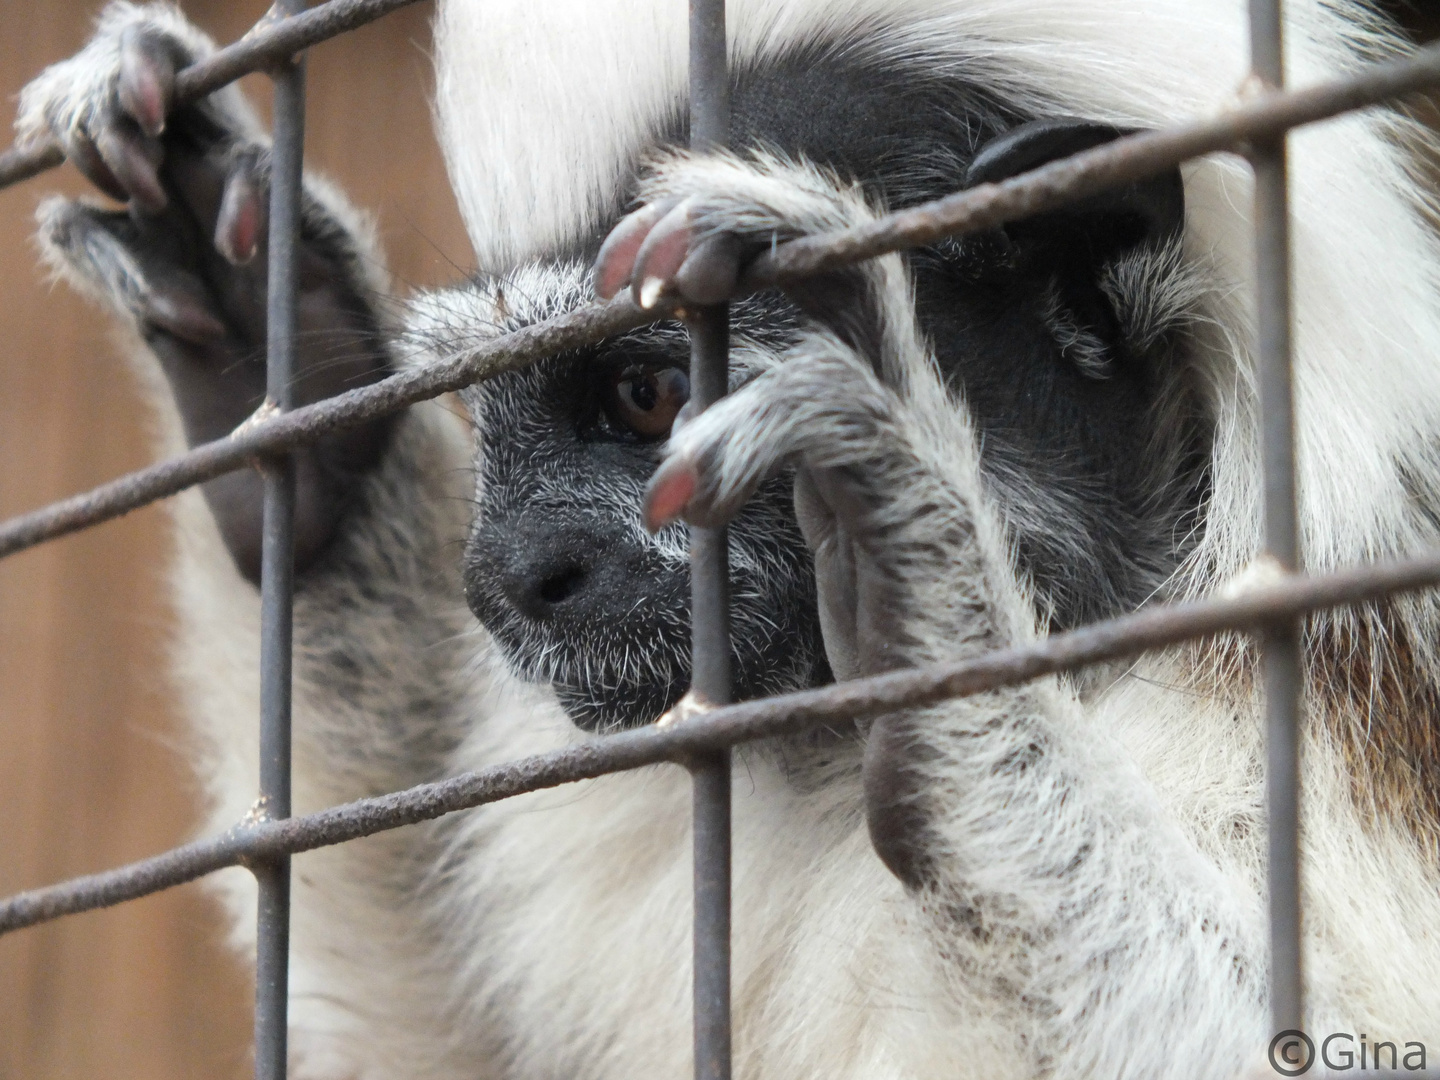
{"x": 645, "y": 400}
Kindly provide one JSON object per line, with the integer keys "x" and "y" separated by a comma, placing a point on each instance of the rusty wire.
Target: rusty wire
{"x": 1115, "y": 639}
{"x": 1123, "y": 161}
{"x": 711, "y": 680}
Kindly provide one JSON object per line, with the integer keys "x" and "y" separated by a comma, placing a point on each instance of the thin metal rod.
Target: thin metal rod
{"x": 710, "y": 682}
{"x": 710, "y": 598}
{"x": 1051, "y": 186}
{"x": 259, "y": 438}
{"x": 1115, "y": 639}
{"x": 277, "y": 568}
{"x": 267, "y": 42}
{"x": 1280, "y": 658}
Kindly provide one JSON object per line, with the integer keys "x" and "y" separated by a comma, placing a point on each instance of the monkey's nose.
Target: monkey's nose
{"x": 545, "y": 577}
{"x": 537, "y": 590}
{"x": 543, "y": 569}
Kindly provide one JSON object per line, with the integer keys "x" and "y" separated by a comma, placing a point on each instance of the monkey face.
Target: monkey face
{"x": 560, "y": 570}
{"x": 1045, "y": 332}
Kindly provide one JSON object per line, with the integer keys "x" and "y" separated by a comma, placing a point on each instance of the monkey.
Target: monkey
{"x": 924, "y": 457}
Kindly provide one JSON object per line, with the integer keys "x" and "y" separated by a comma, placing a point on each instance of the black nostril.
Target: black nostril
{"x": 561, "y": 585}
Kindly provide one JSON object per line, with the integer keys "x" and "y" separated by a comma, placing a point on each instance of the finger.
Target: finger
{"x": 199, "y": 183}
{"x": 711, "y": 270}
{"x": 835, "y": 580}
{"x": 669, "y": 492}
{"x": 616, "y": 260}
{"x": 180, "y": 308}
{"x": 108, "y": 248}
{"x": 720, "y": 456}
{"x": 134, "y": 159}
{"x": 147, "y": 80}
{"x": 81, "y": 151}
{"x": 661, "y": 255}
{"x": 241, "y": 222}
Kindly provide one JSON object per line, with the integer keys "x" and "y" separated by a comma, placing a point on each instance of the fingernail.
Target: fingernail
{"x": 670, "y": 491}
{"x": 146, "y": 85}
{"x": 650, "y": 290}
{"x": 184, "y": 316}
{"x": 135, "y": 162}
{"x": 238, "y": 225}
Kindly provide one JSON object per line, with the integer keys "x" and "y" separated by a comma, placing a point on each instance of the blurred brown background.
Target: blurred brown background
{"x": 91, "y": 760}
{"x": 92, "y": 772}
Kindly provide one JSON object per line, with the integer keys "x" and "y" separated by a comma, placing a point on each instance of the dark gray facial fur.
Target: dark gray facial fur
{"x": 560, "y": 572}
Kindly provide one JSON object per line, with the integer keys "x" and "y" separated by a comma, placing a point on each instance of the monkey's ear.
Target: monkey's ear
{"x": 1148, "y": 211}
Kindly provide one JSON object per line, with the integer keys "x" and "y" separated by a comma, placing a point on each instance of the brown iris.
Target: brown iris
{"x": 645, "y": 400}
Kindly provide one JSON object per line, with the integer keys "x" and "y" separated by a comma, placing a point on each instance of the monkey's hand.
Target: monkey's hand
{"x": 910, "y": 564}
{"x": 888, "y": 485}
{"x": 888, "y": 488}
{"x": 705, "y": 218}
{"x": 185, "y": 262}
{"x": 1013, "y": 816}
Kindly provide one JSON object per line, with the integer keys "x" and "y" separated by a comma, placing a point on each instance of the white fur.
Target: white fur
{"x": 548, "y": 936}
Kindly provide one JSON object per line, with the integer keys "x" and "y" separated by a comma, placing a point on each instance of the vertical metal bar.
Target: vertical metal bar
{"x": 1280, "y": 643}
{"x": 710, "y": 597}
{"x": 277, "y": 569}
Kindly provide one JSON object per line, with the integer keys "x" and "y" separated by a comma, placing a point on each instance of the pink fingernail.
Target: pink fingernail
{"x": 650, "y": 290}
{"x": 670, "y": 491}
{"x": 237, "y": 228}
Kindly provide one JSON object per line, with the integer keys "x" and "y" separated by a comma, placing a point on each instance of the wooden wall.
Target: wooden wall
{"x": 92, "y": 770}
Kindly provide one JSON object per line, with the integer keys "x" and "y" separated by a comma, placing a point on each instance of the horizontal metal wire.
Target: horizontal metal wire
{"x": 1114, "y": 639}
{"x": 1135, "y": 157}
{"x": 1123, "y": 161}
{"x": 1155, "y": 151}
{"x": 269, "y": 40}
{"x": 284, "y": 432}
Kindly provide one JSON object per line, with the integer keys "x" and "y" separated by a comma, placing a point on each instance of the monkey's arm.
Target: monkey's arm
{"x": 185, "y": 263}
{"x": 1047, "y": 867}
{"x": 380, "y": 622}
{"x": 389, "y": 672}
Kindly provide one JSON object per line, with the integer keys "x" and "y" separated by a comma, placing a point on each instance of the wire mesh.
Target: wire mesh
{"x": 1115, "y": 639}
{"x": 1271, "y": 611}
